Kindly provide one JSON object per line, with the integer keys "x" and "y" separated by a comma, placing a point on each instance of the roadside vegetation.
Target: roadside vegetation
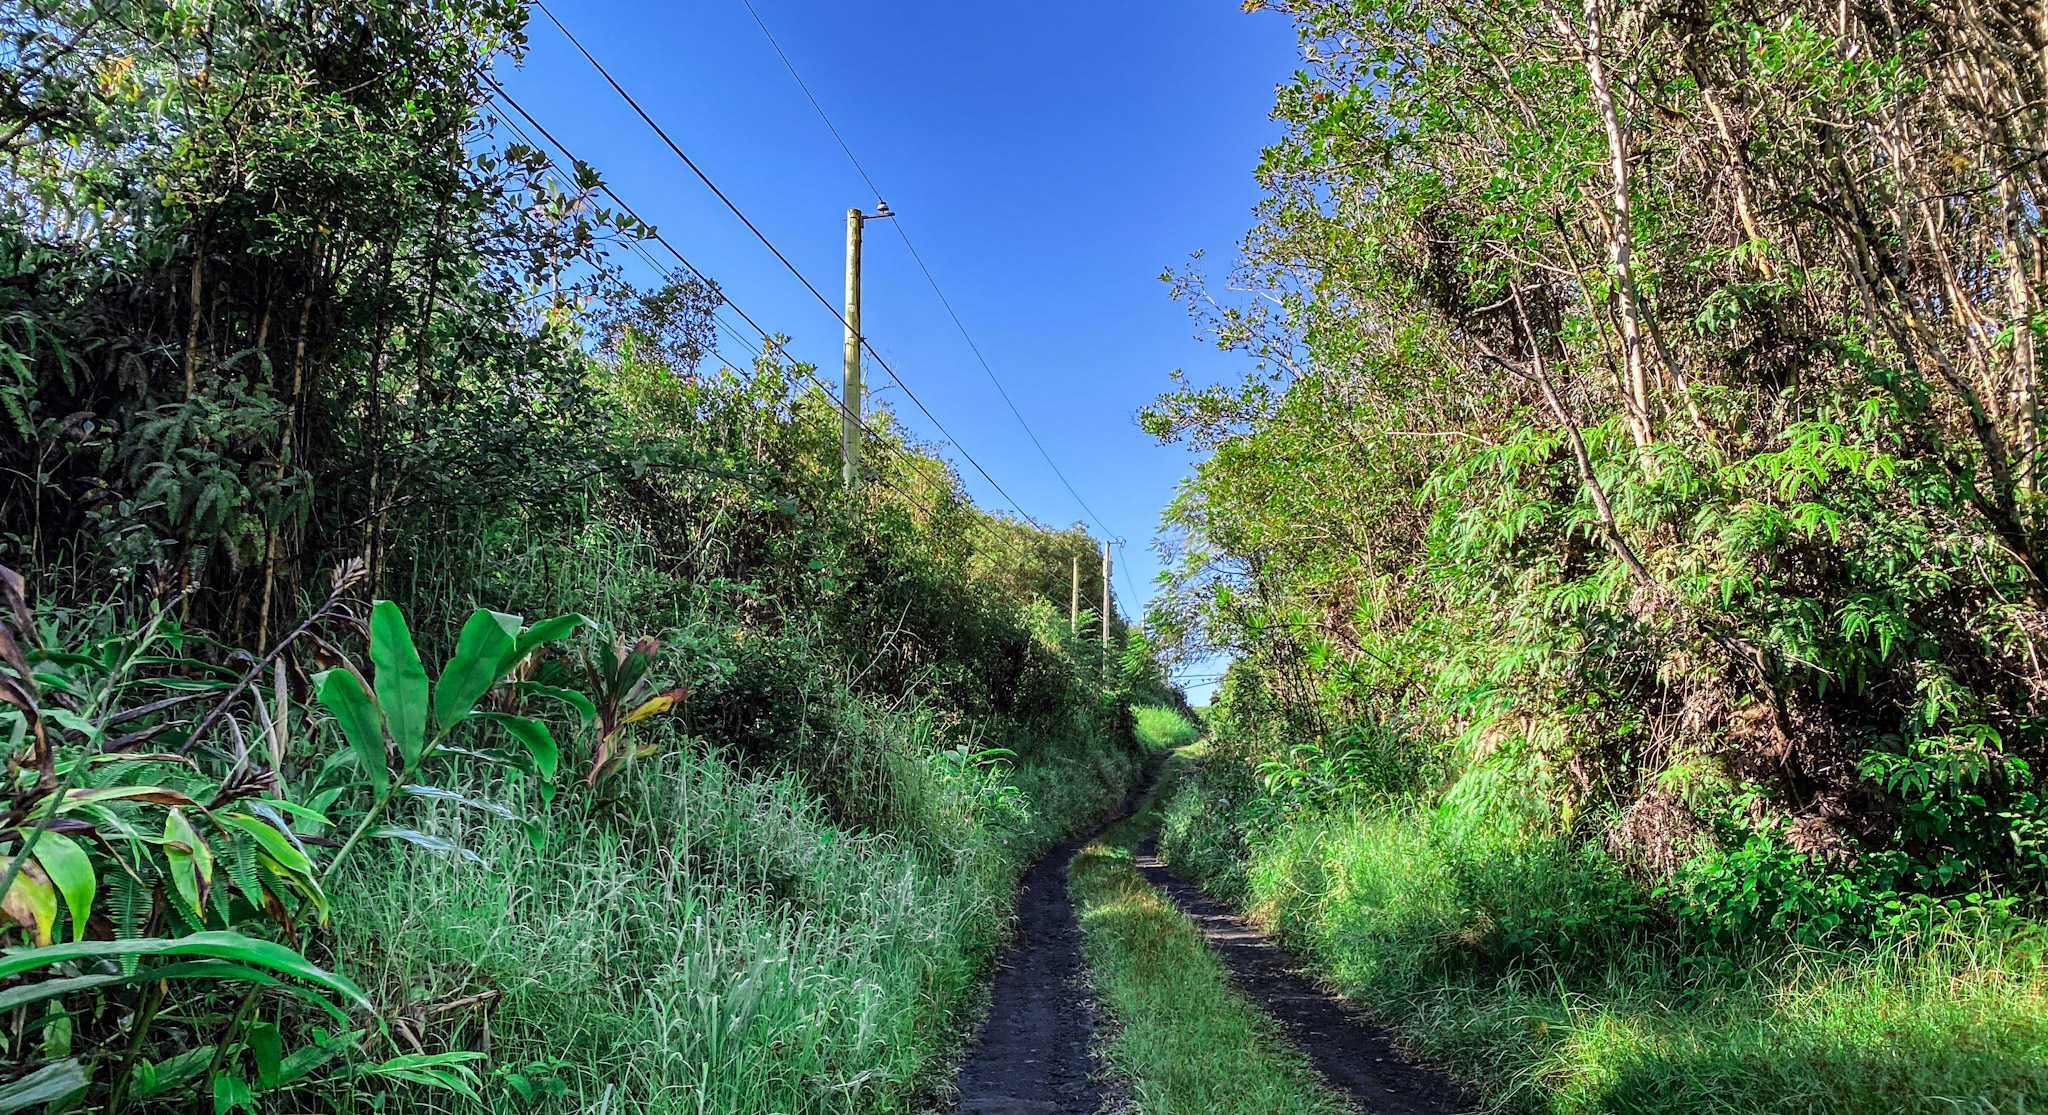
{"x": 434, "y": 678}
{"x": 1630, "y": 549}
{"x": 1180, "y": 1038}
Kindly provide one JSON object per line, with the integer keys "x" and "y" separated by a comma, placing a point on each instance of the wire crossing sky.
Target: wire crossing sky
{"x": 1049, "y": 168}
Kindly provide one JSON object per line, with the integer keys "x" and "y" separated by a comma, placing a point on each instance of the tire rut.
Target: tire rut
{"x": 1351, "y": 1051}
{"x": 1034, "y": 1055}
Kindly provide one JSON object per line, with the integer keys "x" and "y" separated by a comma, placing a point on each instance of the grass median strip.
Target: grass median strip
{"x": 1185, "y": 1042}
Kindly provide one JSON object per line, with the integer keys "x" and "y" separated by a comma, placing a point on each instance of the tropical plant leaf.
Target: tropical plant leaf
{"x": 275, "y": 844}
{"x": 48, "y": 1084}
{"x": 540, "y": 743}
{"x": 424, "y": 840}
{"x": 479, "y": 661}
{"x": 31, "y": 901}
{"x": 435, "y": 1070}
{"x": 71, "y": 872}
{"x": 657, "y": 704}
{"x": 154, "y": 795}
{"x": 438, "y": 794}
{"x": 25, "y": 994}
{"x": 191, "y": 862}
{"x": 586, "y": 709}
{"x": 401, "y": 681}
{"x": 342, "y": 692}
{"x": 221, "y": 944}
{"x": 546, "y": 631}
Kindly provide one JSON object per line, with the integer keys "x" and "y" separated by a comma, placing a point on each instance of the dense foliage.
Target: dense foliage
{"x": 315, "y": 385}
{"x": 1630, "y": 547}
{"x": 1647, "y": 441}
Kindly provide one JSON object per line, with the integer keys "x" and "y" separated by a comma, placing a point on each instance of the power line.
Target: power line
{"x": 928, "y": 276}
{"x": 762, "y": 237}
{"x": 850, "y": 157}
{"x": 668, "y": 273}
{"x": 652, "y": 232}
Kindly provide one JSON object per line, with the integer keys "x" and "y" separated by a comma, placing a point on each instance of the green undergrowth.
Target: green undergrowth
{"x": 710, "y": 939}
{"x": 794, "y": 916}
{"x": 1552, "y": 984}
{"x": 1184, "y": 1042}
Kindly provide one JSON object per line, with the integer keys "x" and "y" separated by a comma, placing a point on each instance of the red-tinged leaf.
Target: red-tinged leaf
{"x": 154, "y": 795}
{"x": 658, "y": 704}
{"x": 31, "y": 901}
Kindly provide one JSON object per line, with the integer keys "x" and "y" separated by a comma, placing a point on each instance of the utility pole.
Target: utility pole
{"x": 1074, "y": 600}
{"x": 849, "y": 386}
{"x": 1105, "y": 611}
{"x": 851, "y": 398}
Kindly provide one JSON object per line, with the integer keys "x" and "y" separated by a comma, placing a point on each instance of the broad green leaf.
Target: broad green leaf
{"x": 266, "y": 1045}
{"x": 274, "y": 843}
{"x": 546, "y": 631}
{"x": 401, "y": 680}
{"x": 424, "y": 840}
{"x": 230, "y": 1091}
{"x": 172, "y": 1074}
{"x": 218, "y": 943}
{"x": 70, "y": 871}
{"x": 479, "y": 662}
{"x": 24, "y": 994}
{"x": 586, "y": 709}
{"x": 306, "y": 1058}
{"x": 44, "y": 1086}
{"x": 76, "y": 723}
{"x": 436, "y": 1070}
{"x": 540, "y": 743}
{"x": 191, "y": 861}
{"x": 354, "y": 710}
{"x": 302, "y": 812}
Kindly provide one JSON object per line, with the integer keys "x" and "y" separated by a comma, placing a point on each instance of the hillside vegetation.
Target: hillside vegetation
{"x": 435, "y": 679}
{"x": 1631, "y": 547}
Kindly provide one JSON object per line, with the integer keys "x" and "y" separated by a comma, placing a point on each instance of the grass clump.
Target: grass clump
{"x": 1185, "y": 1041}
{"x": 1162, "y": 728}
{"x": 1548, "y": 981}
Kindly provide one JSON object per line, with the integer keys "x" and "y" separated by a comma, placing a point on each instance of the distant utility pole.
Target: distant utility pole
{"x": 1105, "y": 610}
{"x": 1074, "y": 601}
{"x": 850, "y": 396}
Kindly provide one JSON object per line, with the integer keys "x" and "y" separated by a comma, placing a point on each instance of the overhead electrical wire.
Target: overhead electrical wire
{"x": 668, "y": 273}
{"x": 792, "y": 268}
{"x": 928, "y": 276}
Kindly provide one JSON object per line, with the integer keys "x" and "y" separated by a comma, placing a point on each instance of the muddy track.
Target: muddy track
{"x": 1035, "y": 1053}
{"x": 1351, "y": 1051}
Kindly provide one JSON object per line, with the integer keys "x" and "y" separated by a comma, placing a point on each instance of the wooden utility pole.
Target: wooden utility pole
{"x": 1105, "y": 610}
{"x": 1074, "y": 600}
{"x": 849, "y": 387}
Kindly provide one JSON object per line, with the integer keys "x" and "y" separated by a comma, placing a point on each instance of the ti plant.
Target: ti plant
{"x": 621, "y": 688}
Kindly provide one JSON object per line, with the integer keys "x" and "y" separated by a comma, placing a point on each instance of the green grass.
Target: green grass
{"x": 1406, "y": 913}
{"x": 1185, "y": 1043}
{"x": 1161, "y": 728}
{"x": 711, "y": 941}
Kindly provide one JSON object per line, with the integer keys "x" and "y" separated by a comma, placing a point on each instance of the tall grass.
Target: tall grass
{"x": 1160, "y": 728}
{"x": 711, "y": 941}
{"x": 1542, "y": 978}
{"x": 792, "y": 928}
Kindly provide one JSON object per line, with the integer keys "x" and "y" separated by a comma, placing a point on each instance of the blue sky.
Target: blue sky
{"x": 1048, "y": 164}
